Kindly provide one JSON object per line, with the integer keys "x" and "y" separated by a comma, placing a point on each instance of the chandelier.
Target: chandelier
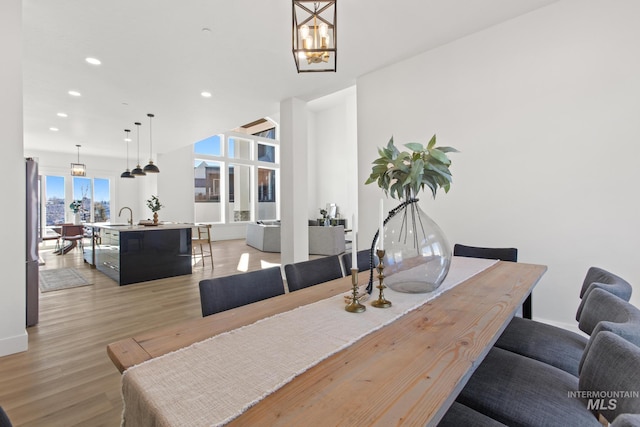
{"x": 314, "y": 35}
{"x": 78, "y": 169}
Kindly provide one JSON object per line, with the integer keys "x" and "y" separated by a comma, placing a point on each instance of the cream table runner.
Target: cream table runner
{"x": 213, "y": 381}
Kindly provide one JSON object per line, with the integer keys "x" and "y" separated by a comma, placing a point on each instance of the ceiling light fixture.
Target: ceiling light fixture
{"x": 137, "y": 171}
{"x": 151, "y": 168}
{"x": 62, "y": 115}
{"x": 314, "y": 36}
{"x": 52, "y": 129}
{"x": 78, "y": 169}
{"x": 93, "y": 61}
{"x": 205, "y": 94}
{"x": 127, "y": 172}
{"x": 74, "y": 93}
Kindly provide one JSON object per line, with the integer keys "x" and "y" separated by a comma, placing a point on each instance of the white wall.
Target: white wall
{"x": 175, "y": 185}
{"x": 545, "y": 111}
{"x": 332, "y": 155}
{"x": 13, "y": 336}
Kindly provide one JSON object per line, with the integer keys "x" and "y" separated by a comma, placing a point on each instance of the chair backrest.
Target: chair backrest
{"x": 72, "y": 230}
{"x": 201, "y": 232}
{"x": 224, "y": 293}
{"x": 602, "y": 279}
{"x": 604, "y": 311}
{"x": 503, "y": 254}
{"x": 364, "y": 261}
{"x": 626, "y": 420}
{"x": 612, "y": 364}
{"x": 308, "y": 273}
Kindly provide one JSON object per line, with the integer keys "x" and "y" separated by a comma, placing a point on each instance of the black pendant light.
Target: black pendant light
{"x": 137, "y": 171}
{"x": 151, "y": 168}
{"x": 127, "y": 173}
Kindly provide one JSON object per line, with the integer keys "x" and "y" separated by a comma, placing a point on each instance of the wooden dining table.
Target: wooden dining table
{"x": 406, "y": 373}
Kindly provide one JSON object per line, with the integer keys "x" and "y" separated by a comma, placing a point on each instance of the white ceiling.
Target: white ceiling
{"x": 157, "y": 59}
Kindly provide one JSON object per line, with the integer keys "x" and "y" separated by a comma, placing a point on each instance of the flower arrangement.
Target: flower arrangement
{"x": 154, "y": 204}
{"x": 323, "y": 212}
{"x": 76, "y": 206}
{"x": 402, "y": 174}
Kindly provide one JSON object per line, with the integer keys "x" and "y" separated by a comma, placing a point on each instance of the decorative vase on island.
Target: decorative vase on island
{"x": 418, "y": 255}
{"x": 155, "y": 218}
{"x": 76, "y": 218}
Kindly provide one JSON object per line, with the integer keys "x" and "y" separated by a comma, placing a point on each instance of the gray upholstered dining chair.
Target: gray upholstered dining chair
{"x": 363, "y": 259}
{"x": 461, "y": 415}
{"x": 557, "y": 346}
{"x": 606, "y": 312}
{"x": 626, "y": 420}
{"x": 4, "y": 419}
{"x": 599, "y": 278}
{"x": 517, "y": 390}
{"x": 308, "y": 273}
{"x": 224, "y": 293}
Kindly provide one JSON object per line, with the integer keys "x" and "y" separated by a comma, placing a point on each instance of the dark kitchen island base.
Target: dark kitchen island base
{"x": 133, "y": 254}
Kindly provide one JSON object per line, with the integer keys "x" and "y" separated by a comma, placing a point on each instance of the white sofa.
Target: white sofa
{"x": 322, "y": 240}
{"x": 264, "y": 237}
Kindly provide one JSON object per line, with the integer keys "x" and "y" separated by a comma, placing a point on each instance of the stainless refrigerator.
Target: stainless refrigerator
{"x": 33, "y": 238}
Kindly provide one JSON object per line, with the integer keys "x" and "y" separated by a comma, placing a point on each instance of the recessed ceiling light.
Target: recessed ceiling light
{"x": 93, "y": 61}
{"x": 206, "y": 30}
{"x": 74, "y": 93}
{"x": 62, "y": 115}
{"x": 54, "y": 129}
{"x": 205, "y": 94}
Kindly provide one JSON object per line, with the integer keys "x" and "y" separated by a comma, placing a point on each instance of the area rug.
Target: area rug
{"x": 61, "y": 278}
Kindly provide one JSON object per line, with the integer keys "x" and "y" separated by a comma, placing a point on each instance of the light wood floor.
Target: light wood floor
{"x": 66, "y": 378}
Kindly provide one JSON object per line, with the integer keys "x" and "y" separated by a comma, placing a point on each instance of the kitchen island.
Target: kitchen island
{"x": 137, "y": 253}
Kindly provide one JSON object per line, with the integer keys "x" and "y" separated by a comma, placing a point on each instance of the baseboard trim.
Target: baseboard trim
{"x": 15, "y": 344}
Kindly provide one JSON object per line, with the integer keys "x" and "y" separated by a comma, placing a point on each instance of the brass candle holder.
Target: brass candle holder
{"x": 354, "y": 306}
{"x": 381, "y": 302}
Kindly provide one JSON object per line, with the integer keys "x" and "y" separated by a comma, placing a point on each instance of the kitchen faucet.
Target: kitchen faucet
{"x": 130, "y": 214}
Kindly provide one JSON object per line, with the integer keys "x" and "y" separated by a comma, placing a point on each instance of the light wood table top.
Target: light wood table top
{"x": 408, "y": 372}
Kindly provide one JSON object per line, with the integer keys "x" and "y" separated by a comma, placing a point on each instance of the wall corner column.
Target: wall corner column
{"x": 294, "y": 181}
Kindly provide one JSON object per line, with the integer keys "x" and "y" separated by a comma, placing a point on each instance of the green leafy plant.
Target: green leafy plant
{"x": 402, "y": 174}
{"x": 323, "y": 212}
{"x": 76, "y": 206}
{"x": 154, "y": 204}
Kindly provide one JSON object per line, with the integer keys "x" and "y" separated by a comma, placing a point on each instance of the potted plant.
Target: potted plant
{"x": 418, "y": 254}
{"x": 76, "y": 208}
{"x": 154, "y": 204}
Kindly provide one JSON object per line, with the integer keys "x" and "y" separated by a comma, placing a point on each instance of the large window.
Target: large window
{"x": 102, "y": 200}
{"x": 92, "y": 194}
{"x": 236, "y": 178}
{"x": 54, "y": 200}
{"x": 82, "y": 193}
{"x": 207, "y": 181}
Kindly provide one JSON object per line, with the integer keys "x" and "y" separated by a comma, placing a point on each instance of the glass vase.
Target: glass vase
{"x": 418, "y": 254}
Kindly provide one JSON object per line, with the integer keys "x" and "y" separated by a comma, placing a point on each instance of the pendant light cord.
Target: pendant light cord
{"x": 150, "y": 138}
{"x": 138, "y": 126}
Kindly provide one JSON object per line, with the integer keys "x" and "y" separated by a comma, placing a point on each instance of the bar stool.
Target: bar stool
{"x": 202, "y": 238}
